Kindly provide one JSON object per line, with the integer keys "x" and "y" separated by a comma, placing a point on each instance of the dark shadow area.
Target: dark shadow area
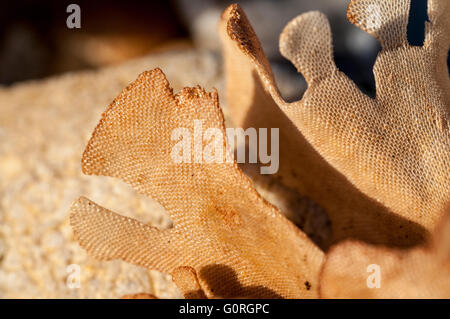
{"x": 305, "y": 213}
{"x": 223, "y": 282}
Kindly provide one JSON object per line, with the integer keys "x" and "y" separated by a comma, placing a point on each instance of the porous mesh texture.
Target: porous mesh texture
{"x": 224, "y": 232}
{"x": 383, "y": 173}
{"x": 422, "y": 272}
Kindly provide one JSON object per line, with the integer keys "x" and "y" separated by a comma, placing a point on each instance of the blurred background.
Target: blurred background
{"x": 35, "y": 41}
